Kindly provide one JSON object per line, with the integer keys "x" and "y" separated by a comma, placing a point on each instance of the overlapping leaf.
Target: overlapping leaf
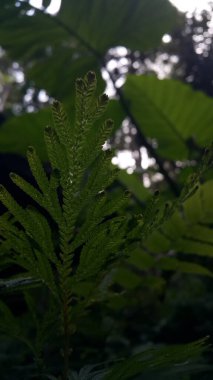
{"x": 170, "y": 112}
{"x": 55, "y": 50}
{"x": 18, "y": 132}
{"x": 187, "y": 234}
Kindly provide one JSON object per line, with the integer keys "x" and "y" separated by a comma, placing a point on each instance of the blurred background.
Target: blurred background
{"x": 154, "y": 58}
{"x": 43, "y": 49}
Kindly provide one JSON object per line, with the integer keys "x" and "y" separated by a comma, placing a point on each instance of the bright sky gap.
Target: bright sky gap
{"x": 182, "y": 5}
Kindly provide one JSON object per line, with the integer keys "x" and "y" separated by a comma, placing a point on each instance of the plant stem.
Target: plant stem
{"x": 66, "y": 339}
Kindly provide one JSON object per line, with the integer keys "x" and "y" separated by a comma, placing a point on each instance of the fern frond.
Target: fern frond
{"x": 56, "y": 151}
{"x": 63, "y": 128}
{"x": 50, "y": 197}
{"x": 28, "y": 188}
{"x": 101, "y": 247}
{"x": 97, "y": 138}
{"x": 14, "y": 208}
{"x": 91, "y": 85}
{"x": 85, "y": 114}
{"x": 71, "y": 195}
{"x": 38, "y": 170}
{"x": 101, "y": 175}
{"x": 18, "y": 284}
{"x": 159, "y": 360}
{"x": 44, "y": 271}
{"x": 42, "y": 234}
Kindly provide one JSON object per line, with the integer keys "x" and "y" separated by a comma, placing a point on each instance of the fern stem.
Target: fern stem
{"x": 66, "y": 349}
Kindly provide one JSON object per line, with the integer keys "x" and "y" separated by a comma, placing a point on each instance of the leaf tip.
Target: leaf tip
{"x": 103, "y": 99}
{"x": 91, "y": 77}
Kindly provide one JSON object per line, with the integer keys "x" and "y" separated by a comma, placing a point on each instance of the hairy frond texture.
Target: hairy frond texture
{"x": 76, "y": 231}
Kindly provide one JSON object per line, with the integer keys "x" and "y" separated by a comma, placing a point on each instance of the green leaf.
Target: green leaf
{"x": 188, "y": 231}
{"x": 134, "y": 184}
{"x": 203, "y": 233}
{"x": 199, "y": 208}
{"x": 67, "y": 45}
{"x": 194, "y": 247}
{"x": 157, "y": 359}
{"x": 171, "y": 112}
{"x": 18, "y": 284}
{"x": 19, "y": 132}
{"x": 127, "y": 279}
{"x": 172, "y": 264}
{"x": 106, "y": 24}
{"x": 100, "y": 24}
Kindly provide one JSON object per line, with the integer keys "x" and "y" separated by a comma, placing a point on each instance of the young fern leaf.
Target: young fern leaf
{"x": 38, "y": 170}
{"x": 28, "y": 188}
{"x": 80, "y": 233}
{"x": 62, "y": 127}
{"x": 56, "y": 151}
{"x": 12, "y": 206}
{"x": 80, "y": 230}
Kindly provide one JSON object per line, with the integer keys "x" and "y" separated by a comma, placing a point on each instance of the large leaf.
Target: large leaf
{"x": 170, "y": 112}
{"x": 57, "y": 49}
{"x": 177, "y": 359}
{"x": 133, "y": 183}
{"x": 19, "y": 132}
{"x": 136, "y": 24}
{"x": 183, "y": 244}
{"x": 188, "y": 232}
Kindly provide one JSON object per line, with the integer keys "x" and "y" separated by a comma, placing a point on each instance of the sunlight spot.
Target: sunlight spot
{"x": 191, "y": 5}
{"x": 109, "y": 90}
{"x": 106, "y": 146}
{"x": 166, "y": 38}
{"x": 120, "y": 81}
{"x": 118, "y": 51}
{"x": 121, "y": 50}
{"x": 42, "y": 96}
{"x": 157, "y": 177}
{"x": 52, "y": 9}
{"x": 31, "y": 12}
{"x": 133, "y": 131}
{"x": 128, "y": 139}
{"x": 36, "y": 3}
{"x": 30, "y": 108}
{"x": 29, "y": 95}
{"x": 123, "y": 61}
{"x": 124, "y": 159}
{"x": 146, "y": 180}
{"x": 17, "y": 73}
{"x": 174, "y": 59}
{"x": 146, "y": 161}
{"x": 126, "y": 129}
{"x": 111, "y": 65}
{"x": 136, "y": 65}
